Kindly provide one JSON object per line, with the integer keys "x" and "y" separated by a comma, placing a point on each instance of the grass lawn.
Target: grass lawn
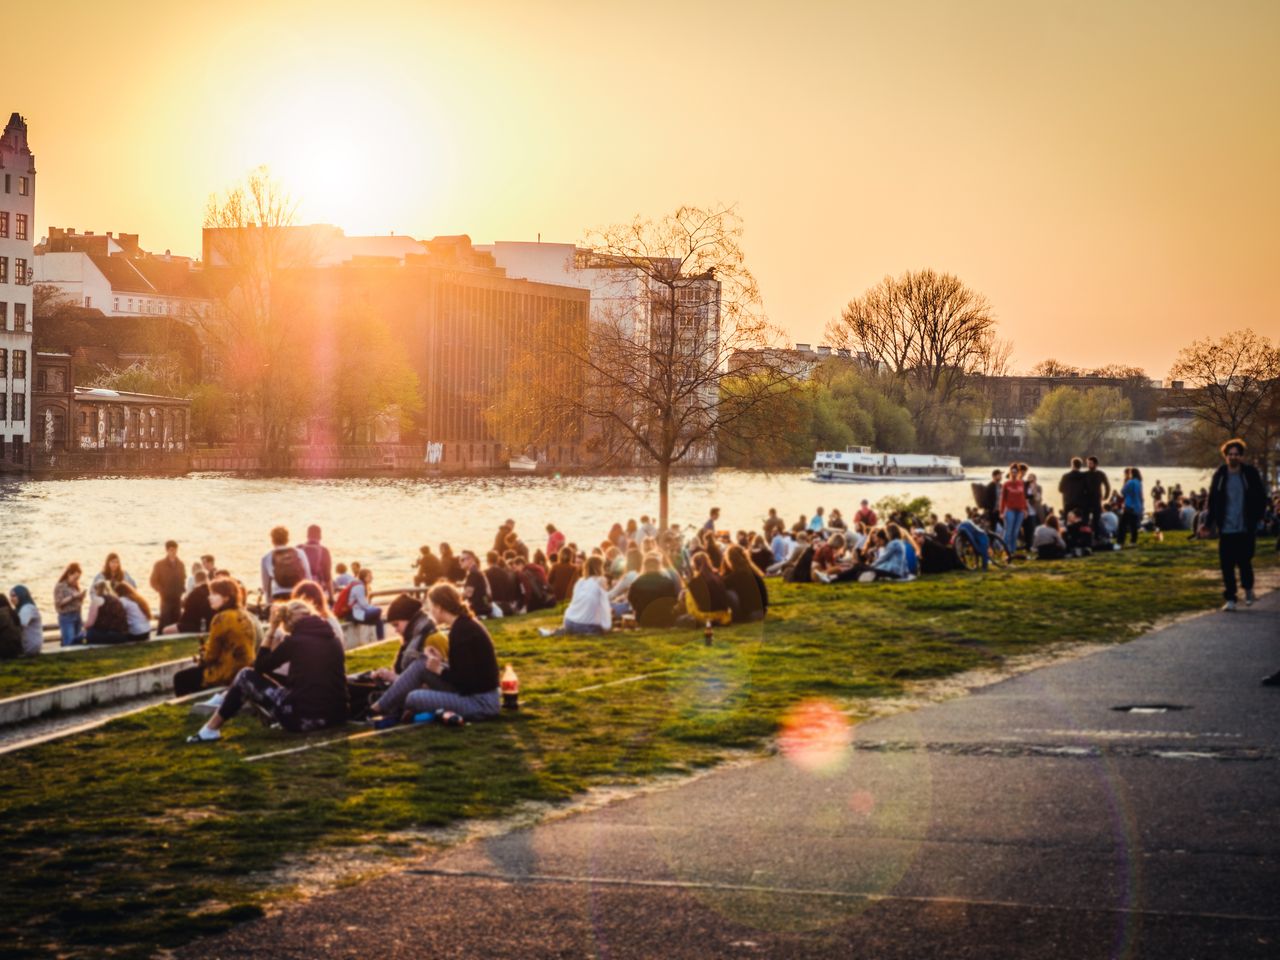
{"x": 123, "y": 840}
{"x": 54, "y": 669}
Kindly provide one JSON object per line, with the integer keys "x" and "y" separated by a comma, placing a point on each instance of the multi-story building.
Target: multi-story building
{"x": 459, "y": 319}
{"x": 113, "y": 274}
{"x": 17, "y": 225}
{"x": 798, "y": 362}
{"x": 628, "y": 301}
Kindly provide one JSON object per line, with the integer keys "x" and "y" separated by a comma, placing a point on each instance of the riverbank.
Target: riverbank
{"x": 123, "y": 837}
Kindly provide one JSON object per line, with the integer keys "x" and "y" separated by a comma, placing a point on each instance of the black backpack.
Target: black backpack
{"x": 286, "y": 568}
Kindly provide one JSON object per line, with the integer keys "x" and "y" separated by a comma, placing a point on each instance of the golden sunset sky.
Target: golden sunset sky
{"x": 1107, "y": 173}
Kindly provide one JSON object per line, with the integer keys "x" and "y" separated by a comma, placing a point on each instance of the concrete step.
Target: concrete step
{"x": 96, "y": 692}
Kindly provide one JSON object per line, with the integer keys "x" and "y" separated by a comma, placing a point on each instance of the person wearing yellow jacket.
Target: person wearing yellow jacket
{"x": 227, "y": 649}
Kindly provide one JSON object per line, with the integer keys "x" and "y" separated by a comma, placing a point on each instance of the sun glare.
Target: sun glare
{"x": 352, "y": 153}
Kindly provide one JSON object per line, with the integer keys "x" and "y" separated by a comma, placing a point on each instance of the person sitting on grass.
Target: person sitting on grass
{"x": 652, "y": 584}
{"x": 622, "y": 586}
{"x": 417, "y": 631}
{"x": 466, "y": 683}
{"x": 311, "y": 696}
{"x": 745, "y": 584}
{"x": 705, "y": 598}
{"x": 589, "y": 611}
{"x": 10, "y": 630}
{"x": 28, "y": 616}
{"x": 829, "y": 559}
{"x": 1079, "y": 535}
{"x": 896, "y": 532}
{"x": 137, "y": 613}
{"x": 1047, "y": 542}
{"x": 311, "y": 592}
{"x": 563, "y": 575}
{"x": 229, "y": 647}
{"x": 891, "y": 561}
{"x": 363, "y": 610}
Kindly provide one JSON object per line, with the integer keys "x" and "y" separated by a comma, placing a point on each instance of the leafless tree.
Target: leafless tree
{"x": 935, "y": 335}
{"x": 648, "y": 378}
{"x": 1054, "y": 368}
{"x": 1231, "y": 384}
{"x": 258, "y": 317}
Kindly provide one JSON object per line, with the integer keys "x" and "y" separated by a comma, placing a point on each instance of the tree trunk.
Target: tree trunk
{"x": 664, "y": 483}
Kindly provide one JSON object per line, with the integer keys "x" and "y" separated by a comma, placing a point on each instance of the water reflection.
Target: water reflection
{"x": 382, "y": 522}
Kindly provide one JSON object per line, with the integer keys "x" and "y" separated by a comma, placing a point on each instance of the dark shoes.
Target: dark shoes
{"x": 1272, "y": 681}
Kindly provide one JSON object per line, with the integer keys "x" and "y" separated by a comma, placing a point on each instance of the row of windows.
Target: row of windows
{"x": 19, "y": 315}
{"x": 24, "y": 185}
{"x": 21, "y": 275}
{"x": 13, "y": 407}
{"x": 19, "y": 364}
{"x": 167, "y": 307}
{"x": 22, "y": 231}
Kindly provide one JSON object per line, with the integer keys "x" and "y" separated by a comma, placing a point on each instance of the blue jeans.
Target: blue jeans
{"x": 590, "y": 629}
{"x": 371, "y": 617}
{"x": 1013, "y": 528}
{"x": 72, "y": 628}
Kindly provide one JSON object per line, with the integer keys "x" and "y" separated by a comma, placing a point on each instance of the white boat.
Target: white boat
{"x": 522, "y": 464}
{"x": 860, "y": 465}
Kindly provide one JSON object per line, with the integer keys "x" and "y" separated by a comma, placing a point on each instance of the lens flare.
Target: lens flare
{"x": 816, "y": 737}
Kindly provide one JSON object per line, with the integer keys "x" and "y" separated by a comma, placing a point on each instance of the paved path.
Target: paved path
{"x": 1028, "y": 820}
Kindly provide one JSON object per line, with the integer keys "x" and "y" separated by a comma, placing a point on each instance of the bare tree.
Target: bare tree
{"x": 1054, "y": 368}
{"x": 935, "y": 335}
{"x": 648, "y": 379}
{"x": 1231, "y": 384}
{"x": 254, "y": 251}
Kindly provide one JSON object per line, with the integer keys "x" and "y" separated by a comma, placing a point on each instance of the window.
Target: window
{"x": 6, "y": 183}
{"x": 4, "y": 315}
{"x": 88, "y": 302}
{"x": 42, "y": 381}
{"x": 20, "y": 316}
{"x": 115, "y": 304}
{"x": 4, "y": 223}
{"x": 23, "y": 186}
{"x": 4, "y": 269}
{"x": 19, "y": 270}
{"x": 4, "y": 363}
{"x": 4, "y": 406}
{"x": 19, "y": 407}
{"x": 19, "y": 364}
{"x": 21, "y": 231}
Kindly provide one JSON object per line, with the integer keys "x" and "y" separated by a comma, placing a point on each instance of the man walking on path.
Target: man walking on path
{"x": 1237, "y": 497}
{"x": 319, "y": 560}
{"x": 1098, "y": 489}
{"x": 169, "y": 579}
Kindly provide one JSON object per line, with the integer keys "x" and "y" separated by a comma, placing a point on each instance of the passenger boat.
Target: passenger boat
{"x": 860, "y": 465}
{"x": 522, "y": 464}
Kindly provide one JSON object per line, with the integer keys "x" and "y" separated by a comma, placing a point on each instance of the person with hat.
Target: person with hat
{"x": 416, "y": 630}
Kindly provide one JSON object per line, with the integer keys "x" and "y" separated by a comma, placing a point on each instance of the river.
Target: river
{"x": 382, "y": 522}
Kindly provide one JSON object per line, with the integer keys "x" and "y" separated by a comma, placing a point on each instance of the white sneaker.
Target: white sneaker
{"x": 215, "y": 701}
{"x": 1250, "y": 598}
{"x": 546, "y": 632}
{"x": 1229, "y": 606}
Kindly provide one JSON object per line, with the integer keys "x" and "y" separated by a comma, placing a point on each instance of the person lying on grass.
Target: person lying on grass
{"x": 311, "y": 696}
{"x": 466, "y": 684}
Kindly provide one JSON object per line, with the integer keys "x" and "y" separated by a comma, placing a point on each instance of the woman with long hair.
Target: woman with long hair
{"x": 589, "y": 611}
{"x": 137, "y": 612}
{"x": 313, "y": 694}
{"x": 1013, "y": 506}
{"x": 312, "y": 593}
{"x": 28, "y": 615}
{"x": 229, "y": 647}
{"x": 113, "y": 572}
{"x": 453, "y": 571}
{"x": 467, "y": 684}
{"x": 106, "y": 622}
{"x": 68, "y": 601}
{"x": 745, "y": 583}
{"x": 705, "y": 598}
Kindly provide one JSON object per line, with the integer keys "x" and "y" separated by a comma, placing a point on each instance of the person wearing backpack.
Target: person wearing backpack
{"x": 283, "y": 566}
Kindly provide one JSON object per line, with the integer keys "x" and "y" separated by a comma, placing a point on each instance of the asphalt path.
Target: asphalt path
{"x": 1031, "y": 819}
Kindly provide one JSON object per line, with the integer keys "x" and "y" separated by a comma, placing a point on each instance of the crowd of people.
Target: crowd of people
{"x": 284, "y": 654}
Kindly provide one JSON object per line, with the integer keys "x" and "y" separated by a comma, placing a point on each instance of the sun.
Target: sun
{"x": 357, "y": 154}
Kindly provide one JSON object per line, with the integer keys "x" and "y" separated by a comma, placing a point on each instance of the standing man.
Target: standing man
{"x": 1237, "y": 497}
{"x": 169, "y": 579}
{"x": 712, "y": 519}
{"x": 319, "y": 560}
{"x": 865, "y": 515}
{"x": 991, "y": 509}
{"x": 1073, "y": 487}
{"x": 1098, "y": 489}
{"x": 283, "y": 567}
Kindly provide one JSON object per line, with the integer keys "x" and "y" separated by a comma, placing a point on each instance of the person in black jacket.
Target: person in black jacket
{"x": 748, "y": 595}
{"x": 314, "y": 692}
{"x": 169, "y": 579}
{"x": 467, "y": 684}
{"x": 1074, "y": 489}
{"x": 1097, "y": 489}
{"x": 1237, "y": 499}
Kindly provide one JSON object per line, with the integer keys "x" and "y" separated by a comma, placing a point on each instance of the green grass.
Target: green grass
{"x": 124, "y": 839}
{"x": 54, "y": 669}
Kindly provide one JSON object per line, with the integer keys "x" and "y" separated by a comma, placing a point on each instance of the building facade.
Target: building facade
{"x": 17, "y": 359}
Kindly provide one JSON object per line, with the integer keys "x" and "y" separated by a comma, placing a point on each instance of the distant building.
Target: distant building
{"x": 798, "y": 362}
{"x": 113, "y": 274}
{"x": 17, "y": 226}
{"x": 621, "y": 295}
{"x": 86, "y": 428}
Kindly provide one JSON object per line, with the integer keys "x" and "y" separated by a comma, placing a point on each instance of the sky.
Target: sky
{"x": 1106, "y": 173}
